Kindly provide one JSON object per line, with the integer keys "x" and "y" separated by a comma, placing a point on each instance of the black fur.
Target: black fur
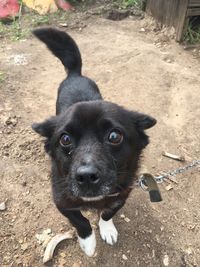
{"x": 88, "y": 121}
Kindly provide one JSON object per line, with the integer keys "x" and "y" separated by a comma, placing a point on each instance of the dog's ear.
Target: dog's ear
{"x": 45, "y": 128}
{"x": 144, "y": 121}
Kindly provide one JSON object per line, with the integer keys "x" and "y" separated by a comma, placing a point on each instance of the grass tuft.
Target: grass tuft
{"x": 129, "y": 3}
{"x": 2, "y": 76}
{"x": 192, "y": 33}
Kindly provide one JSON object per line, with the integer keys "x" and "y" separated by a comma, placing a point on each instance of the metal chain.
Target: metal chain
{"x": 161, "y": 178}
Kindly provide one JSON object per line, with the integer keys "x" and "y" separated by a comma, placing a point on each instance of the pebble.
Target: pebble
{"x": 142, "y": 30}
{"x": 2, "y": 206}
{"x": 126, "y": 219}
{"x": 191, "y": 226}
{"x": 62, "y": 254}
{"x": 169, "y": 187}
{"x": 11, "y": 121}
{"x": 188, "y": 251}
{"x": 24, "y": 246}
{"x": 166, "y": 260}
{"x": 124, "y": 257}
{"x": 63, "y": 24}
{"x": 47, "y": 231}
{"x": 161, "y": 228}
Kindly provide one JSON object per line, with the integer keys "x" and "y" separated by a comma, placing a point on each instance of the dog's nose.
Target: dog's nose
{"x": 87, "y": 175}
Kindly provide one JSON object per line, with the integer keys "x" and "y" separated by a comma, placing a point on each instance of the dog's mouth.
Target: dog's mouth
{"x": 92, "y": 193}
{"x": 100, "y": 197}
{"x": 89, "y": 188}
{"x": 97, "y": 198}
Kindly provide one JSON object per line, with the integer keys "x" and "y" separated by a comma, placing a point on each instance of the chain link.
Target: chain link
{"x": 161, "y": 178}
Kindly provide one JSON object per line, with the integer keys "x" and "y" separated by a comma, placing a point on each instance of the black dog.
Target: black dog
{"x": 94, "y": 146}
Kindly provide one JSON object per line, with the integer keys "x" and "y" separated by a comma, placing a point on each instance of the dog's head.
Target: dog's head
{"x": 95, "y": 147}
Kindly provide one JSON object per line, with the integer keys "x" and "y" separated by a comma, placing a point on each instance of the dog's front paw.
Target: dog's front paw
{"x": 88, "y": 244}
{"x": 108, "y": 231}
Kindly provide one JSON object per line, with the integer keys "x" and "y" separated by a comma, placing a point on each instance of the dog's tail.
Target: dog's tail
{"x": 62, "y": 46}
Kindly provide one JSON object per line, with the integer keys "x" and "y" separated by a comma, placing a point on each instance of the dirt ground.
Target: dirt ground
{"x": 134, "y": 67}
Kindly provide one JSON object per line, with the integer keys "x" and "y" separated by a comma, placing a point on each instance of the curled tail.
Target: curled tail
{"x": 62, "y": 46}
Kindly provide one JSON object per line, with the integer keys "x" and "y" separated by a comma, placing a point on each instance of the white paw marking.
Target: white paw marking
{"x": 108, "y": 231}
{"x": 88, "y": 244}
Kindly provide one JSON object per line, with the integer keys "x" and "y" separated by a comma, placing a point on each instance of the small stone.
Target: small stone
{"x": 24, "y": 246}
{"x": 76, "y": 264}
{"x": 122, "y": 216}
{"x": 63, "y": 24}
{"x": 191, "y": 226}
{"x": 62, "y": 254}
{"x": 124, "y": 257}
{"x": 168, "y": 60}
{"x": 174, "y": 179}
{"x": 188, "y": 251}
{"x": 2, "y": 206}
{"x": 127, "y": 219}
{"x": 142, "y": 30}
{"x": 169, "y": 187}
{"x": 11, "y": 121}
{"x": 47, "y": 231}
{"x": 166, "y": 260}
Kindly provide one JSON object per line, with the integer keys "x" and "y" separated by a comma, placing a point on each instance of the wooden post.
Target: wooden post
{"x": 181, "y": 19}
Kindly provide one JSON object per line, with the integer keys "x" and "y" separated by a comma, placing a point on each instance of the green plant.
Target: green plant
{"x": 2, "y": 76}
{"x": 2, "y": 28}
{"x": 129, "y": 3}
{"x": 192, "y": 33}
{"x": 40, "y": 20}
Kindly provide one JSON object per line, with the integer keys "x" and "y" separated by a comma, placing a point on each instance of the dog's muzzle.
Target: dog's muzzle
{"x": 90, "y": 182}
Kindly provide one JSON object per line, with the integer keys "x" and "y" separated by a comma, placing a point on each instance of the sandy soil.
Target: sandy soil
{"x": 136, "y": 69}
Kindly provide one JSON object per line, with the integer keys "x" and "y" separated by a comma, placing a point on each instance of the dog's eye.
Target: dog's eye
{"x": 115, "y": 137}
{"x": 65, "y": 140}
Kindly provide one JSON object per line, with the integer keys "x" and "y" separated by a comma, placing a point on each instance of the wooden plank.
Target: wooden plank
{"x": 163, "y": 10}
{"x": 193, "y": 12}
{"x": 194, "y": 3}
{"x": 171, "y": 13}
{"x": 181, "y": 19}
{"x": 176, "y": 14}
